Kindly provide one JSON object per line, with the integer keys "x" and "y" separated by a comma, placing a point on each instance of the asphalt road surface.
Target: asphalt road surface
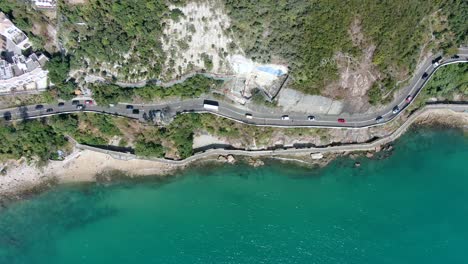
{"x": 230, "y": 111}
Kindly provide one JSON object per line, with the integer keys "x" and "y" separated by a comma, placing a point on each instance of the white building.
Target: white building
{"x": 24, "y": 74}
{"x": 12, "y": 38}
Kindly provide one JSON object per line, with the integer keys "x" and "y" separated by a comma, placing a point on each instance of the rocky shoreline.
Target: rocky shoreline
{"x": 19, "y": 179}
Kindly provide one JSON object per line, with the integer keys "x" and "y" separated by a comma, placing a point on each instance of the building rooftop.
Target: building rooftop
{"x": 14, "y": 35}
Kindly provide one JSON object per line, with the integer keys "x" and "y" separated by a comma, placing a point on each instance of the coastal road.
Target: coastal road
{"x": 233, "y": 112}
{"x": 288, "y": 150}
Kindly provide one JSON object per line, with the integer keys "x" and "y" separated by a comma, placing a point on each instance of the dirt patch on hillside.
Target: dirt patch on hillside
{"x": 356, "y": 74}
{"x": 49, "y": 32}
{"x": 196, "y": 40}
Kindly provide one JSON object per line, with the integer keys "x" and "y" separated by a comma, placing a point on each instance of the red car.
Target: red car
{"x": 89, "y": 102}
{"x": 341, "y": 120}
{"x": 409, "y": 98}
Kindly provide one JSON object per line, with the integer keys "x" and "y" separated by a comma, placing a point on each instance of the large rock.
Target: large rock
{"x": 222, "y": 158}
{"x": 316, "y": 156}
{"x": 231, "y": 159}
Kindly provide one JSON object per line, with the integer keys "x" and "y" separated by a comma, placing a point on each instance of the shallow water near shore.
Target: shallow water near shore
{"x": 409, "y": 208}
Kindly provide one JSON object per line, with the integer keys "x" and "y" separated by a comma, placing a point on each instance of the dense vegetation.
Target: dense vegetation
{"x": 91, "y": 129}
{"x": 30, "y": 139}
{"x": 307, "y": 34}
{"x": 448, "y": 81}
{"x": 59, "y": 67}
{"x": 192, "y": 87}
{"x": 105, "y": 31}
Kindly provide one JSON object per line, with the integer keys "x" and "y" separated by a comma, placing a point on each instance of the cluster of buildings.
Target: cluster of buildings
{"x": 19, "y": 73}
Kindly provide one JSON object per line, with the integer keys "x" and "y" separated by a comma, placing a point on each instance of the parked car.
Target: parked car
{"x": 379, "y": 119}
{"x": 136, "y": 111}
{"x": 79, "y": 107}
{"x": 49, "y": 110}
{"x": 409, "y": 98}
{"x": 61, "y": 104}
{"x": 341, "y": 120}
{"x": 39, "y": 107}
{"x": 311, "y": 118}
{"x": 424, "y": 76}
{"x": 7, "y": 116}
{"x": 75, "y": 102}
{"x": 396, "y": 109}
{"x": 129, "y": 107}
{"x": 248, "y": 116}
{"x": 285, "y": 117}
{"x": 89, "y": 102}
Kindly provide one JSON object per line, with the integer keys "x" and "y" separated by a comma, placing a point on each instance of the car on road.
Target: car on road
{"x": 379, "y": 119}
{"x": 89, "y": 102}
{"x": 424, "y": 76}
{"x": 39, "y": 107}
{"x": 49, "y": 110}
{"x": 7, "y": 116}
{"x": 75, "y": 102}
{"x": 409, "y": 98}
{"x": 248, "y": 116}
{"x": 129, "y": 107}
{"x": 396, "y": 109}
{"x": 79, "y": 107}
{"x": 311, "y": 118}
{"x": 436, "y": 61}
{"x": 136, "y": 111}
{"x": 285, "y": 117}
{"x": 61, "y": 104}
{"x": 341, "y": 120}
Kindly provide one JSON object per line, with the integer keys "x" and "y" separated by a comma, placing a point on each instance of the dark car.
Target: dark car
{"x": 136, "y": 111}
{"x": 75, "y": 102}
{"x": 49, "y": 110}
{"x": 396, "y": 109}
{"x": 129, "y": 107}
{"x": 79, "y": 107}
{"x": 61, "y": 104}
{"x": 7, "y": 116}
{"x": 379, "y": 119}
{"x": 311, "y": 118}
{"x": 341, "y": 120}
{"x": 424, "y": 76}
{"x": 39, "y": 107}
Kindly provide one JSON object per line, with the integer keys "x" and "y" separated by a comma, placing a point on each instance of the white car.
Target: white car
{"x": 285, "y": 117}
{"x": 248, "y": 116}
{"x": 396, "y": 109}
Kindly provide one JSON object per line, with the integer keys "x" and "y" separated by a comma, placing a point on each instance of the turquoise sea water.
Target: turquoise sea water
{"x": 409, "y": 208}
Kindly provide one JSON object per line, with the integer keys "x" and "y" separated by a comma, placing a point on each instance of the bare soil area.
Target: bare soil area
{"x": 356, "y": 74}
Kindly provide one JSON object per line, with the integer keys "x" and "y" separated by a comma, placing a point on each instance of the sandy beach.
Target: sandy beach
{"x": 80, "y": 166}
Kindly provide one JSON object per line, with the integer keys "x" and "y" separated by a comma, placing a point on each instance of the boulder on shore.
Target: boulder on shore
{"x": 316, "y": 156}
{"x": 255, "y": 162}
{"x": 231, "y": 159}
